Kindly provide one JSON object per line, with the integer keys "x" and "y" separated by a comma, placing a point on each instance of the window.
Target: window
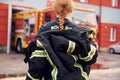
{"x": 83, "y": 0}
{"x": 112, "y": 34}
{"x": 85, "y": 18}
{"x": 29, "y": 25}
{"x": 114, "y": 3}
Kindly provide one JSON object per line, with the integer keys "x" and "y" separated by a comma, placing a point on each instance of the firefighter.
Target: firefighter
{"x": 62, "y": 51}
{"x": 61, "y": 55}
{"x": 63, "y": 10}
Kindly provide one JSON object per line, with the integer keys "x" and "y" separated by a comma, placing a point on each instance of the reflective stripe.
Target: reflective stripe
{"x": 71, "y": 47}
{"x": 43, "y": 53}
{"x": 39, "y": 44}
{"x": 55, "y": 70}
{"x": 75, "y": 57}
{"x": 43, "y": 78}
{"x": 31, "y": 77}
{"x": 54, "y": 73}
{"x": 91, "y": 53}
{"x": 38, "y": 53}
{"x": 84, "y": 74}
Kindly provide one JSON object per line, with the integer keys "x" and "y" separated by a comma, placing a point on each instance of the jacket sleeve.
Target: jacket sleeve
{"x": 37, "y": 61}
{"x": 37, "y": 68}
{"x": 88, "y": 55}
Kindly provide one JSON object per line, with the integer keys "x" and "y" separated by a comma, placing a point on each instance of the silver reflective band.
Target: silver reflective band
{"x": 55, "y": 70}
{"x": 43, "y": 78}
{"x": 71, "y": 47}
{"x": 91, "y": 53}
{"x": 84, "y": 74}
{"x": 39, "y": 44}
{"x": 75, "y": 57}
{"x": 38, "y": 53}
{"x": 31, "y": 77}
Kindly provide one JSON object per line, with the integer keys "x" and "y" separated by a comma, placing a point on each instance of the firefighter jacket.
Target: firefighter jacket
{"x": 61, "y": 55}
{"x": 54, "y": 25}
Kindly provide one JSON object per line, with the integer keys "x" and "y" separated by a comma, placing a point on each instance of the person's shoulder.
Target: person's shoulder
{"x": 70, "y": 23}
{"x": 53, "y": 22}
{"x": 47, "y": 26}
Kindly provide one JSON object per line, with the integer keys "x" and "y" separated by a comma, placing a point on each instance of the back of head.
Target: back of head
{"x": 63, "y": 9}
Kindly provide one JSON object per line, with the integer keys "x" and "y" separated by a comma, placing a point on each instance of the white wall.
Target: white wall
{"x": 110, "y": 15}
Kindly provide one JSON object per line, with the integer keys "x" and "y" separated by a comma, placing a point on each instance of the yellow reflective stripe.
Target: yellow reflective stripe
{"x": 84, "y": 74}
{"x": 38, "y": 53}
{"x": 55, "y": 70}
{"x": 43, "y": 78}
{"x": 39, "y": 44}
{"x": 71, "y": 47}
{"x": 31, "y": 77}
{"x": 91, "y": 53}
{"x": 75, "y": 57}
{"x": 54, "y": 73}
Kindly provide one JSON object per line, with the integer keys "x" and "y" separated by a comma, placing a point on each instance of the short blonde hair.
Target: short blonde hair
{"x": 62, "y": 9}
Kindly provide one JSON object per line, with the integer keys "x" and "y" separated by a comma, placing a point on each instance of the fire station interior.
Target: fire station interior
{"x": 13, "y": 24}
{"x": 13, "y": 27}
{"x": 14, "y": 10}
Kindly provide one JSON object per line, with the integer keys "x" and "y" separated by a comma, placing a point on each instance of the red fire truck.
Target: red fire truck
{"x": 25, "y": 24}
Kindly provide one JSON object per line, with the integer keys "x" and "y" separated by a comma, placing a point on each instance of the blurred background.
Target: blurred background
{"x": 21, "y": 19}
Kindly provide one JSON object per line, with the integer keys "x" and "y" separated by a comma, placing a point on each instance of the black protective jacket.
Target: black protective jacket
{"x": 61, "y": 55}
{"x": 54, "y": 25}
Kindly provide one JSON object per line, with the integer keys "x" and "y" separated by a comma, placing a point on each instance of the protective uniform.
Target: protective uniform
{"x": 61, "y": 55}
{"x": 54, "y": 25}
